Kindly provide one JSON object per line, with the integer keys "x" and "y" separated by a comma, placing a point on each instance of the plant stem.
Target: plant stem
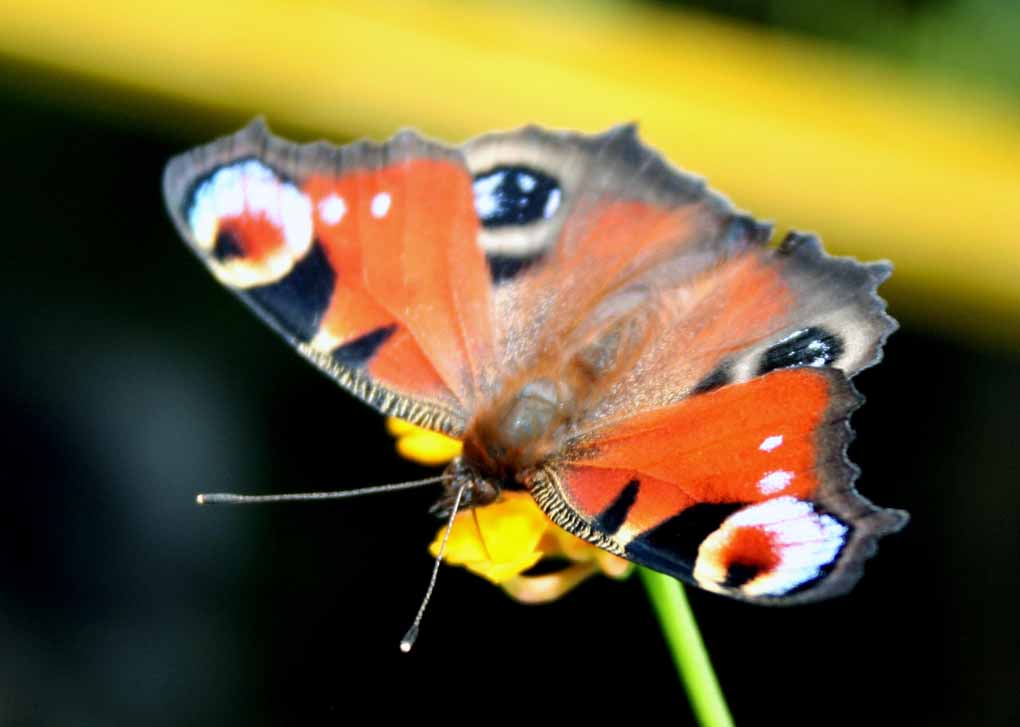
{"x": 688, "y": 649}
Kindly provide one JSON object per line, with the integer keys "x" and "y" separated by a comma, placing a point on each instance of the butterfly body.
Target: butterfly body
{"x": 598, "y": 327}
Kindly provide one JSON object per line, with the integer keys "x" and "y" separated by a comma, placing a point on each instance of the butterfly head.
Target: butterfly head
{"x": 505, "y": 441}
{"x": 478, "y": 489}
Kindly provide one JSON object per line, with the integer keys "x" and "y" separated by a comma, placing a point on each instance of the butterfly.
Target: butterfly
{"x": 599, "y": 328}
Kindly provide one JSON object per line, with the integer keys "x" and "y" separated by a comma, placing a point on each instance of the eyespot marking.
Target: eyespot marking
{"x": 784, "y": 541}
{"x": 248, "y": 188}
{"x": 738, "y": 574}
{"x": 807, "y": 347}
{"x": 227, "y": 246}
{"x": 515, "y": 195}
{"x": 552, "y": 203}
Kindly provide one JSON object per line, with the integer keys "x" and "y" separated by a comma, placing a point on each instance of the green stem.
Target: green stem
{"x": 689, "y": 655}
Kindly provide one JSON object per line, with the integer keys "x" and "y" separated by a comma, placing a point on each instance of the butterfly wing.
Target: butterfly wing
{"x": 744, "y": 490}
{"x": 363, "y": 257}
{"x": 605, "y": 253}
{"x": 711, "y": 442}
{"x": 572, "y": 225}
{"x": 422, "y": 277}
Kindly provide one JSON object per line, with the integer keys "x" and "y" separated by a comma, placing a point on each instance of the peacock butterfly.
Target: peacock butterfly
{"x": 601, "y": 330}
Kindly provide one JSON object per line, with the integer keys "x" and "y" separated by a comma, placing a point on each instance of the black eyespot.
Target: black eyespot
{"x": 738, "y": 574}
{"x": 515, "y": 195}
{"x": 807, "y": 347}
{"x": 227, "y": 246}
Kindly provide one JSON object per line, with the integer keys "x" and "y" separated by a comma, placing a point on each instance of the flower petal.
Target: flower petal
{"x": 543, "y": 589}
{"x": 422, "y": 445}
{"x": 498, "y": 541}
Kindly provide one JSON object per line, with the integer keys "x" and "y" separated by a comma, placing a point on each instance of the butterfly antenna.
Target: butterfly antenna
{"x": 412, "y": 633}
{"x": 226, "y": 498}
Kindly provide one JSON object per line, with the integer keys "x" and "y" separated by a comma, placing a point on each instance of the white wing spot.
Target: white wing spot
{"x": 770, "y": 443}
{"x": 774, "y": 481}
{"x": 381, "y": 204}
{"x": 332, "y": 209}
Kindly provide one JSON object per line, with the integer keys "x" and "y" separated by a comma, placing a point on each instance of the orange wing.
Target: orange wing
{"x": 573, "y": 227}
{"x": 424, "y": 277}
{"x": 364, "y": 257}
{"x": 606, "y": 256}
{"x": 707, "y": 371}
{"x": 744, "y": 490}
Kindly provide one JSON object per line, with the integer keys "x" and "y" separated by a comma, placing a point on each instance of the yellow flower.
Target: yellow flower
{"x": 422, "y": 445}
{"x": 503, "y": 540}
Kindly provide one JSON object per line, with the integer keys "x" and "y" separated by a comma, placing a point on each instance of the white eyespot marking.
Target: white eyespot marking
{"x": 332, "y": 209}
{"x": 487, "y": 200}
{"x": 295, "y": 210}
{"x": 795, "y": 543}
{"x": 381, "y": 204}
{"x": 251, "y": 188}
{"x": 552, "y": 203}
{"x": 526, "y": 182}
{"x": 219, "y": 196}
{"x": 774, "y": 481}
{"x": 770, "y": 443}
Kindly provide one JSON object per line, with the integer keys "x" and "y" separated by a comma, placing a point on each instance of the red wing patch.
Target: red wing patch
{"x": 404, "y": 238}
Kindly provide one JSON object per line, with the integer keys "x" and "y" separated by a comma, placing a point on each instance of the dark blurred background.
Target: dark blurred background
{"x": 130, "y": 381}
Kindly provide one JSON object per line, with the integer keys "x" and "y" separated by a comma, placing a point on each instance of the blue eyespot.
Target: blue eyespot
{"x": 515, "y": 196}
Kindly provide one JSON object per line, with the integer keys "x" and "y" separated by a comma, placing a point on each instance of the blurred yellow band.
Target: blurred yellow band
{"x": 883, "y": 166}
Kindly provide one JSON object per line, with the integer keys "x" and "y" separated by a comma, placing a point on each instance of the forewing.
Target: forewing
{"x": 744, "y": 490}
{"x": 607, "y": 259}
{"x": 571, "y": 224}
{"x": 364, "y": 257}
